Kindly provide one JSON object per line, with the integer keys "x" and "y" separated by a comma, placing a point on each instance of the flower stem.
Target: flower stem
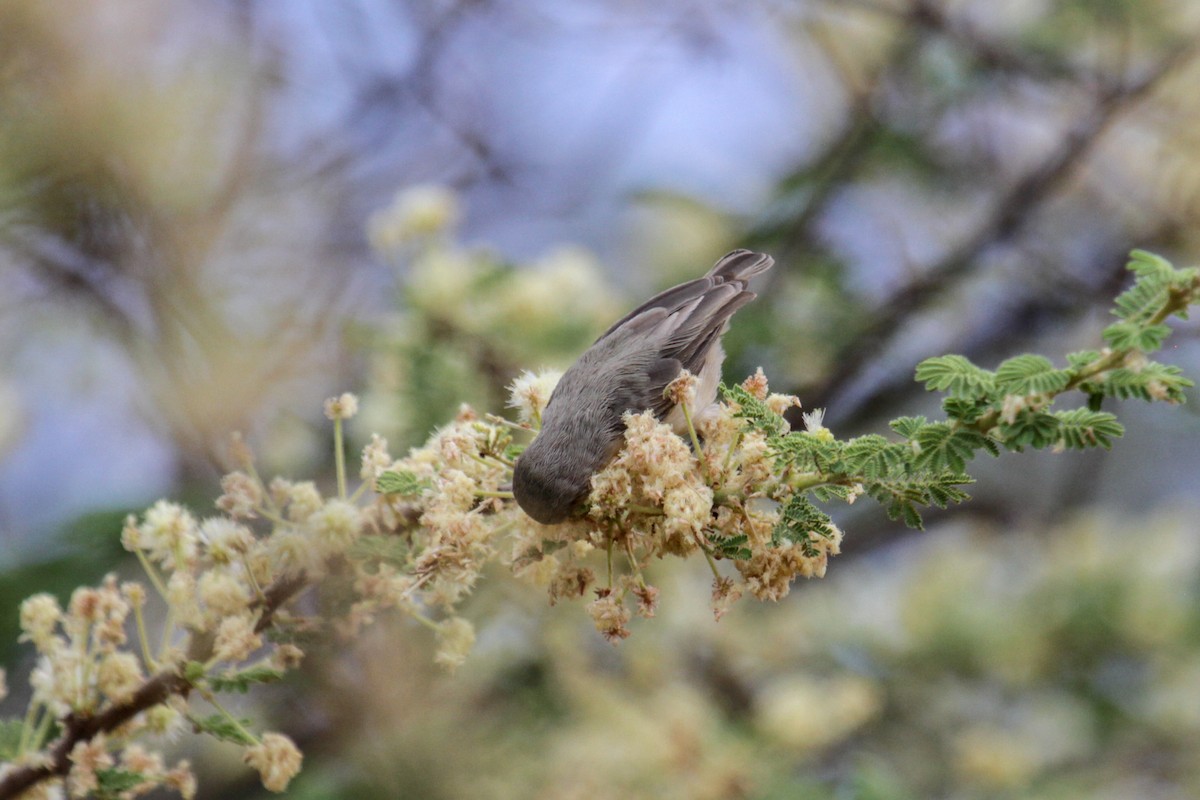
{"x": 28, "y": 727}
{"x": 43, "y": 728}
{"x": 144, "y": 639}
{"x": 339, "y": 457}
{"x": 151, "y": 573}
{"x": 234, "y": 721}
{"x": 687, "y": 416}
{"x": 610, "y": 563}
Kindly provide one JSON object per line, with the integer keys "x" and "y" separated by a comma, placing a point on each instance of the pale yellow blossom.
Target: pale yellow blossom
{"x": 456, "y": 637}
{"x": 277, "y": 760}
{"x": 530, "y": 393}
{"x": 236, "y": 638}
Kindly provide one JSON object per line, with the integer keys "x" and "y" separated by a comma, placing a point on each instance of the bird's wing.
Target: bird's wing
{"x": 736, "y": 267}
{"x": 680, "y": 327}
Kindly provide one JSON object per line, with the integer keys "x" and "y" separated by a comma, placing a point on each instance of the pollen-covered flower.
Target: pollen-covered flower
{"x": 647, "y": 597}
{"x": 682, "y": 390}
{"x": 167, "y": 720}
{"x": 654, "y": 459}
{"x": 335, "y": 526}
{"x": 225, "y": 541}
{"x": 137, "y": 758}
{"x": 530, "y": 393}
{"x": 167, "y": 534}
{"x": 770, "y": 571}
{"x": 240, "y": 496}
{"x": 814, "y": 424}
{"x": 609, "y": 615}
{"x": 222, "y": 593}
{"x": 756, "y": 384}
{"x": 344, "y": 406}
{"x": 375, "y": 458}
{"x": 236, "y": 639}
{"x": 303, "y": 499}
{"x": 181, "y": 594}
{"x": 724, "y": 594}
{"x": 780, "y": 403}
{"x": 294, "y": 552}
{"x": 87, "y": 757}
{"x": 286, "y": 656}
{"x": 119, "y": 676}
{"x": 688, "y": 508}
{"x": 277, "y": 760}
{"x": 40, "y": 616}
{"x": 456, "y": 637}
{"x": 181, "y": 779}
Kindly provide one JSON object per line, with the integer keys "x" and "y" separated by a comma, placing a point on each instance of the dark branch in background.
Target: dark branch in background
{"x": 155, "y": 691}
{"x": 1017, "y": 206}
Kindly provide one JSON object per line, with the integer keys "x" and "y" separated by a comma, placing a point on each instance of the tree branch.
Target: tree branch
{"x": 1014, "y": 210}
{"x": 155, "y": 691}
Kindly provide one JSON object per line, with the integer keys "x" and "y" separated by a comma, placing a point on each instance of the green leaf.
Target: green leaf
{"x": 1145, "y": 264}
{"x": 955, "y": 374}
{"x": 1153, "y": 381}
{"x": 1030, "y": 428}
{"x": 1152, "y": 337}
{"x": 873, "y": 456}
{"x": 221, "y": 727}
{"x": 1149, "y": 293}
{"x": 901, "y": 496}
{"x": 964, "y": 409}
{"x": 403, "y": 483}
{"x": 731, "y": 547}
{"x": 1030, "y": 374}
{"x": 193, "y": 671}
{"x": 1083, "y": 358}
{"x": 112, "y": 782}
{"x": 804, "y": 451}
{"x": 242, "y": 681}
{"x": 944, "y": 449}
{"x": 10, "y": 738}
{"x": 1082, "y": 428}
{"x": 755, "y": 412}
{"x": 800, "y": 522}
{"x": 907, "y": 426}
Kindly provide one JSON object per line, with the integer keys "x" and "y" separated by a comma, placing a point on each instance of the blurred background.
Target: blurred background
{"x": 214, "y": 214}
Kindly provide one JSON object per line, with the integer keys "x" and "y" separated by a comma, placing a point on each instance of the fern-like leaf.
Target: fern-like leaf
{"x": 954, "y": 374}
{"x": 1081, "y": 428}
{"x": 942, "y": 448}
{"x": 1030, "y": 374}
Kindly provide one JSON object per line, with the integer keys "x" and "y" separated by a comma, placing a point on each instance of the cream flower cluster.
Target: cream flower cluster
{"x": 716, "y": 492}
{"x": 414, "y": 537}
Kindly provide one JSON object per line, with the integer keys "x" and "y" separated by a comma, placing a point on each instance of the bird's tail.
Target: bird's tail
{"x": 740, "y": 265}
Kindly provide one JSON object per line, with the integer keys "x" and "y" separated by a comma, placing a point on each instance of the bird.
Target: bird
{"x": 628, "y": 369}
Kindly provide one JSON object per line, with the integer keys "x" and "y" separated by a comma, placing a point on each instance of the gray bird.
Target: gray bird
{"x": 627, "y": 369}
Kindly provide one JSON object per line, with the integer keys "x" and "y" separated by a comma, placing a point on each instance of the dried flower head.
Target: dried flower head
{"x": 456, "y": 637}
{"x": 277, "y": 760}
{"x": 241, "y": 495}
{"x": 609, "y": 615}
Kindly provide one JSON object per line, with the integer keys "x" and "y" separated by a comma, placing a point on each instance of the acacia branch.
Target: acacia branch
{"x": 1018, "y": 206}
{"x": 156, "y": 690}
